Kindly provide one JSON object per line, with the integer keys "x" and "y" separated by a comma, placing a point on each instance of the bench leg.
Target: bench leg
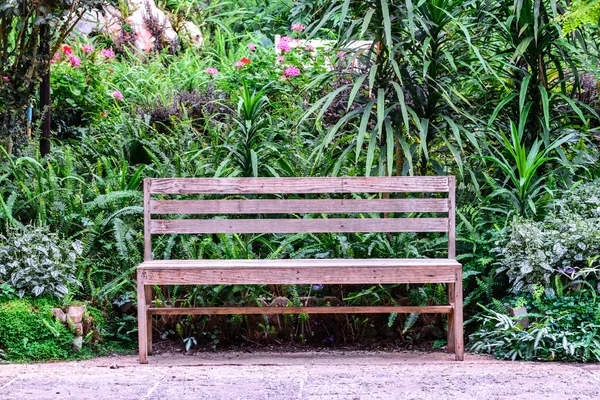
{"x": 142, "y": 320}
{"x": 450, "y": 341}
{"x": 148, "y": 293}
{"x": 459, "y": 346}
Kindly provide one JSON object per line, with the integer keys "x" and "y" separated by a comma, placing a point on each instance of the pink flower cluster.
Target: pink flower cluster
{"x": 211, "y": 71}
{"x": 6, "y": 79}
{"x": 291, "y": 72}
{"x": 251, "y": 46}
{"x": 108, "y": 53}
{"x": 298, "y": 27}
{"x": 88, "y": 48}
{"x": 284, "y": 44}
{"x": 118, "y": 95}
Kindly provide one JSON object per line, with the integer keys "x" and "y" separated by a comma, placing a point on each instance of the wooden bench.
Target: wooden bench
{"x": 304, "y": 271}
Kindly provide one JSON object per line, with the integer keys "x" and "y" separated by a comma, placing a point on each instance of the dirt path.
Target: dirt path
{"x": 314, "y": 375}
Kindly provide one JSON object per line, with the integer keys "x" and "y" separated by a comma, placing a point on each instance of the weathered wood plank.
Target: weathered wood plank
{"x": 142, "y": 319}
{"x": 452, "y": 217}
{"x": 298, "y": 310}
{"x": 304, "y": 275}
{"x": 399, "y": 184}
{"x": 147, "y": 218}
{"x": 293, "y": 206}
{"x": 198, "y": 226}
{"x": 301, "y": 263}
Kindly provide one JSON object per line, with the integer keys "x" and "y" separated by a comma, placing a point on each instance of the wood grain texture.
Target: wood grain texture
{"x": 297, "y": 310}
{"x": 304, "y": 275}
{"x": 401, "y": 184}
{"x": 301, "y": 263}
{"x": 147, "y": 218}
{"x": 293, "y": 206}
{"x": 459, "y": 345}
{"x": 349, "y": 225}
{"x": 452, "y": 217}
{"x": 142, "y": 319}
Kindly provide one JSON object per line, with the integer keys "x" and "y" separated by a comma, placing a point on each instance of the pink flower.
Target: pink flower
{"x": 6, "y": 79}
{"x": 298, "y": 27}
{"x": 286, "y": 39}
{"x": 291, "y": 72}
{"x": 57, "y": 56}
{"x": 280, "y": 59}
{"x": 118, "y": 95}
{"x": 309, "y": 48}
{"x": 52, "y": 61}
{"x": 239, "y": 64}
{"x": 108, "y": 53}
{"x": 251, "y": 46}
{"x": 88, "y": 48}
{"x": 75, "y": 61}
{"x": 211, "y": 71}
{"x": 284, "y": 47}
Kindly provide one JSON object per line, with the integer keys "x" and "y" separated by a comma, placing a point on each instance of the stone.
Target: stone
{"x": 107, "y": 20}
{"x": 78, "y": 329}
{"x": 145, "y": 13}
{"x": 280, "y": 302}
{"x": 516, "y": 312}
{"x": 307, "y": 301}
{"x": 332, "y": 301}
{"x": 75, "y": 314}
{"x": 59, "y": 315}
{"x": 192, "y": 33}
{"x": 77, "y": 343}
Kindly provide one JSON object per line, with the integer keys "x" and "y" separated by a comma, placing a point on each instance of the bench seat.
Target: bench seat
{"x": 303, "y": 271}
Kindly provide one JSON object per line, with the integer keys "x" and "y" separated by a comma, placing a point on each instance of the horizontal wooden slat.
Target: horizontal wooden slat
{"x": 198, "y": 226}
{"x": 301, "y": 263}
{"x": 298, "y": 310}
{"x": 416, "y": 184}
{"x": 302, "y": 275}
{"x": 294, "y": 206}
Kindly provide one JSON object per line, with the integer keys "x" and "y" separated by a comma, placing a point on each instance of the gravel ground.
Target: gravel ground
{"x": 312, "y": 375}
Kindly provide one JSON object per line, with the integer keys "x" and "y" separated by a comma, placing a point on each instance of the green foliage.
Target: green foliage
{"x": 560, "y": 244}
{"x": 563, "y": 327}
{"x": 35, "y": 261}
{"x": 28, "y": 332}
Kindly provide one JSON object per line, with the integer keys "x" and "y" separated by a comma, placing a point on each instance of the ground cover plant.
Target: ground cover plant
{"x": 498, "y": 93}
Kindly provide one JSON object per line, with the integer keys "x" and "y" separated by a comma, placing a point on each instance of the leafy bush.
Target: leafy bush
{"x": 561, "y": 244}
{"x": 29, "y": 332}
{"x": 565, "y": 327}
{"x": 35, "y": 261}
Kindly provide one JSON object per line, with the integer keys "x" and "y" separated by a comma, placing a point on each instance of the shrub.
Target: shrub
{"x": 565, "y": 327}
{"x": 35, "y": 261}
{"x": 28, "y": 332}
{"x": 561, "y": 244}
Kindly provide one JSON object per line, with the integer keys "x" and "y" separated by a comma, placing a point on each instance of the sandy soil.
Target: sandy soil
{"x": 305, "y": 375}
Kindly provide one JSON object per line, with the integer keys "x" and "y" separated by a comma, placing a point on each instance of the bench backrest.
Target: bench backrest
{"x": 258, "y": 186}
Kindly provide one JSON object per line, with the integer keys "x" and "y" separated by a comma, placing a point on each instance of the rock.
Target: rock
{"x": 332, "y": 301}
{"x": 515, "y": 312}
{"x": 308, "y": 301}
{"x": 147, "y": 22}
{"x": 280, "y": 302}
{"x": 59, "y": 315}
{"x": 192, "y": 33}
{"x": 107, "y": 20}
{"x": 78, "y": 329}
{"x": 77, "y": 343}
{"x": 75, "y": 313}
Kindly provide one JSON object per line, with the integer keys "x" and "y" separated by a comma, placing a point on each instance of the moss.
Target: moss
{"x": 28, "y": 332}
